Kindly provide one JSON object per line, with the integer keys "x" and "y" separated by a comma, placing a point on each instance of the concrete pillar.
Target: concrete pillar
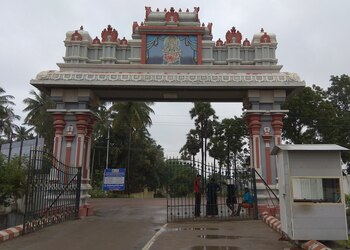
{"x": 254, "y": 125}
{"x": 267, "y": 141}
{"x": 59, "y": 124}
{"x": 277, "y": 125}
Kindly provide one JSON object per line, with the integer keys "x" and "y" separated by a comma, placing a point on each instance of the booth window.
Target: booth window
{"x": 313, "y": 189}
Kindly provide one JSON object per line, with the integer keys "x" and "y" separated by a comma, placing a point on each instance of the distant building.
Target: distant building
{"x": 14, "y": 148}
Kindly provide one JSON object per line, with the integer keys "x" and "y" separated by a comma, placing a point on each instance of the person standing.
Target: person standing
{"x": 231, "y": 196}
{"x": 212, "y": 205}
{"x": 197, "y": 195}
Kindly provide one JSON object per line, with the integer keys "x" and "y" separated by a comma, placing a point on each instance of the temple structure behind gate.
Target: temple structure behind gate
{"x": 171, "y": 58}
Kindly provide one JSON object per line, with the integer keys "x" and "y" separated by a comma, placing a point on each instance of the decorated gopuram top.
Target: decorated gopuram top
{"x": 171, "y": 37}
{"x": 170, "y": 57}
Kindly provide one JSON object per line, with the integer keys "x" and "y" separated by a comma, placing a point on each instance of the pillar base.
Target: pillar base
{"x": 86, "y": 210}
{"x": 274, "y": 211}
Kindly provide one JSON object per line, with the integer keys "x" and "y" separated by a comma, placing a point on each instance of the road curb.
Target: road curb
{"x": 10, "y": 233}
{"x": 275, "y": 224}
{"x": 314, "y": 245}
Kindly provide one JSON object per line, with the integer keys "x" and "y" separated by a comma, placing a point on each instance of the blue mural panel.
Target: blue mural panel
{"x": 171, "y": 50}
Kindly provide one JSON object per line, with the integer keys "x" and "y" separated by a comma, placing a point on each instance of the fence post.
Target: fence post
{"x": 26, "y": 201}
{"x": 77, "y": 198}
{"x": 256, "y": 212}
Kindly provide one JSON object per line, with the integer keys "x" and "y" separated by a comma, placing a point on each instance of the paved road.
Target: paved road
{"x": 141, "y": 224}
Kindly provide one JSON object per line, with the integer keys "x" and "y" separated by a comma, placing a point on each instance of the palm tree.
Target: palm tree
{"x": 134, "y": 117}
{"x": 204, "y": 116}
{"x": 217, "y": 146}
{"x": 21, "y": 134}
{"x": 38, "y": 117}
{"x": 103, "y": 116}
{"x": 101, "y": 132}
{"x": 234, "y": 134}
{"x": 192, "y": 146}
{"x": 5, "y": 99}
{"x": 7, "y": 116}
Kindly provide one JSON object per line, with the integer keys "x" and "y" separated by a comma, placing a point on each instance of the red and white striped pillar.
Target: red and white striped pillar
{"x": 69, "y": 137}
{"x": 59, "y": 124}
{"x": 267, "y": 140}
{"x": 88, "y": 148}
{"x": 254, "y": 126}
{"x": 277, "y": 125}
{"x": 82, "y": 121}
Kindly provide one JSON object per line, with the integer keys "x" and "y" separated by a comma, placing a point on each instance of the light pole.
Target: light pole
{"x": 1, "y": 129}
{"x": 107, "y": 146}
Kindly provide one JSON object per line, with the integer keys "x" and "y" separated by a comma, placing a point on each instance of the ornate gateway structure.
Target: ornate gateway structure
{"x": 171, "y": 57}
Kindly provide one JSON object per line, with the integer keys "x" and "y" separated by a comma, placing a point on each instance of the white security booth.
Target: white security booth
{"x": 312, "y": 202}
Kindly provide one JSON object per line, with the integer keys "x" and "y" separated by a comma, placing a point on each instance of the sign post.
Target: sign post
{"x": 114, "y": 179}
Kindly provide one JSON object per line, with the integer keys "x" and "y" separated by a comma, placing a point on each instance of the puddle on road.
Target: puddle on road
{"x": 189, "y": 229}
{"x": 212, "y": 248}
{"x": 214, "y": 237}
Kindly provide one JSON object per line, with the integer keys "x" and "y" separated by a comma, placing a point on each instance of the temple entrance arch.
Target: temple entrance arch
{"x": 170, "y": 58}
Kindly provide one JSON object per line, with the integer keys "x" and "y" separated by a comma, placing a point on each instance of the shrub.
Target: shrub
{"x": 12, "y": 180}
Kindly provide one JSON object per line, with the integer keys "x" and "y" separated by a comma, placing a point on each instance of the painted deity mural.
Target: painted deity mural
{"x": 171, "y": 49}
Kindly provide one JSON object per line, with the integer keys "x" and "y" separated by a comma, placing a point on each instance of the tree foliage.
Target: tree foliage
{"x": 204, "y": 119}
{"x": 7, "y": 115}
{"x": 38, "y": 117}
{"x": 130, "y": 144}
{"x": 12, "y": 180}
{"x": 180, "y": 177}
{"x": 192, "y": 145}
{"x": 228, "y": 144}
{"x": 320, "y": 116}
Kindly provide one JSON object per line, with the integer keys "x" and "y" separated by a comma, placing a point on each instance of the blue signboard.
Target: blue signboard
{"x": 114, "y": 179}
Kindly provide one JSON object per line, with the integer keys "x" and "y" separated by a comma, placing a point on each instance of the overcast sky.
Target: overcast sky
{"x": 313, "y": 41}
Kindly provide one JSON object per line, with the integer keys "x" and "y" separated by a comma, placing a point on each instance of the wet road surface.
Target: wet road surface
{"x": 141, "y": 224}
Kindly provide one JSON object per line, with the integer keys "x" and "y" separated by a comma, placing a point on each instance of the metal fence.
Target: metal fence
{"x": 221, "y": 191}
{"x": 53, "y": 191}
{"x": 20, "y": 148}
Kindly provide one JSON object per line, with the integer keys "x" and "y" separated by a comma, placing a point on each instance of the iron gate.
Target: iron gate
{"x": 229, "y": 184}
{"x": 53, "y": 191}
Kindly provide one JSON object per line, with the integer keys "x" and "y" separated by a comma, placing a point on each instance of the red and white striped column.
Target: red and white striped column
{"x": 59, "y": 124}
{"x": 254, "y": 126}
{"x": 277, "y": 125}
{"x": 267, "y": 140}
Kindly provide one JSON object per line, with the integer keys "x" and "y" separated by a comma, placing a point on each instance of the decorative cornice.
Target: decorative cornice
{"x": 142, "y": 77}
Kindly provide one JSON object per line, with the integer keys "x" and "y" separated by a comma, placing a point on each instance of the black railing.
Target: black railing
{"x": 269, "y": 192}
{"x": 219, "y": 197}
{"x": 53, "y": 191}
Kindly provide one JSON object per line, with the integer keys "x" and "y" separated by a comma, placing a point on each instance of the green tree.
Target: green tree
{"x": 339, "y": 92}
{"x": 133, "y": 115}
{"x": 191, "y": 147}
{"x": 38, "y": 117}
{"x": 12, "y": 180}
{"x": 132, "y": 118}
{"x": 310, "y": 118}
{"x": 180, "y": 177}
{"x": 204, "y": 117}
{"x": 319, "y": 116}
{"x": 7, "y": 115}
{"x": 217, "y": 146}
{"x": 339, "y": 95}
{"x": 21, "y": 134}
{"x": 229, "y": 142}
{"x": 100, "y": 135}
